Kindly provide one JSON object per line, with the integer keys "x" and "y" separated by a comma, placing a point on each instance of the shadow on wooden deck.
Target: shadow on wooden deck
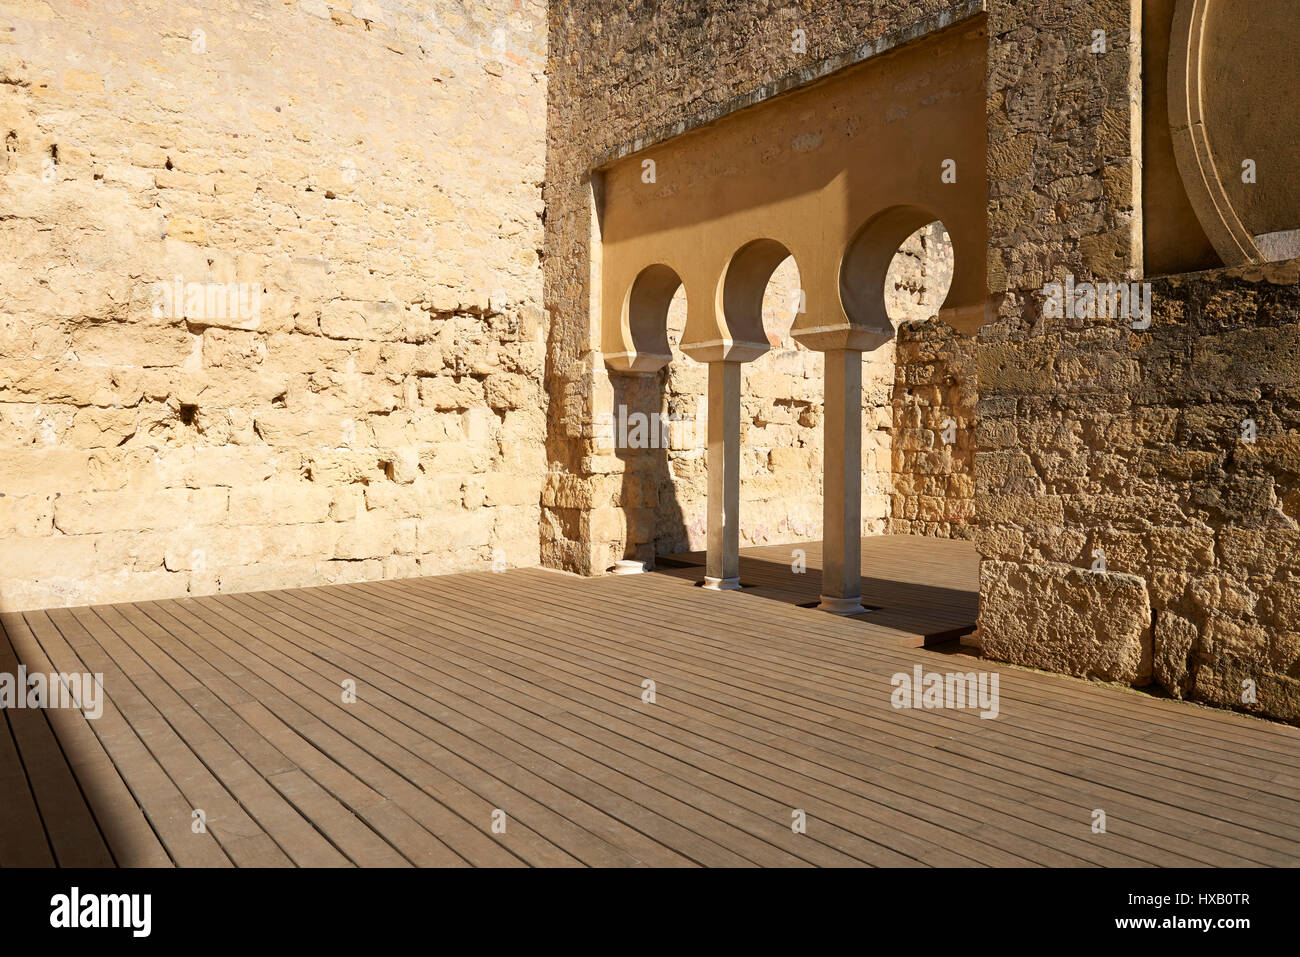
{"x": 929, "y": 594}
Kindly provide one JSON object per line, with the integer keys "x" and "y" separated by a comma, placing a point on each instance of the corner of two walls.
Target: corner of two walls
{"x": 393, "y": 409}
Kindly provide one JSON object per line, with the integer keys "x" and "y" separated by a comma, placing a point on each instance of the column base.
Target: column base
{"x": 721, "y": 584}
{"x": 841, "y": 606}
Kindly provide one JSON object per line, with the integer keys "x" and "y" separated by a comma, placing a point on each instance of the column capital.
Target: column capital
{"x": 724, "y": 350}
{"x": 834, "y": 338}
{"x": 636, "y": 363}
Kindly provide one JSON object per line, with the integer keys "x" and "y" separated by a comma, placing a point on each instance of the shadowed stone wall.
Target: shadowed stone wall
{"x": 653, "y": 501}
{"x": 1174, "y": 454}
{"x": 781, "y": 419}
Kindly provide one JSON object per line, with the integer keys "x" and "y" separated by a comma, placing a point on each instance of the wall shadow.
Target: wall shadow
{"x": 655, "y": 518}
{"x": 58, "y": 806}
{"x": 942, "y": 604}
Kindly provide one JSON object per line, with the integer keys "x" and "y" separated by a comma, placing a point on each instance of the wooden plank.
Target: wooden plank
{"x": 226, "y": 820}
{"x": 522, "y": 692}
{"x": 1003, "y": 695}
{"x": 1191, "y": 752}
{"x": 402, "y": 833}
{"x": 220, "y": 738}
{"x": 168, "y": 812}
{"x": 588, "y": 790}
{"x": 315, "y": 714}
{"x": 406, "y": 776}
{"x": 903, "y": 821}
{"x": 69, "y": 824}
{"x": 198, "y": 745}
{"x": 349, "y": 833}
{"x": 127, "y": 832}
{"x": 23, "y": 842}
{"x": 939, "y": 596}
{"x": 517, "y": 691}
{"x": 515, "y": 703}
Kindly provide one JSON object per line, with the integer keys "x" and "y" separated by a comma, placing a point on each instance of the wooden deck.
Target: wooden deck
{"x": 522, "y": 692}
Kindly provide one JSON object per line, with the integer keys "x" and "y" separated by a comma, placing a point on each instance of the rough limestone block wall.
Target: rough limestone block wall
{"x": 353, "y": 191}
{"x": 656, "y": 498}
{"x": 618, "y": 71}
{"x": 1174, "y": 453}
{"x": 1062, "y": 128}
{"x": 780, "y": 484}
{"x": 934, "y": 396}
{"x": 932, "y": 427}
{"x": 1127, "y": 531}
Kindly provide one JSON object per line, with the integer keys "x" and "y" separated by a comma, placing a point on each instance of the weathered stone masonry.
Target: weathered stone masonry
{"x": 1175, "y": 452}
{"x": 913, "y": 479}
{"x": 373, "y": 171}
{"x": 933, "y": 480}
{"x": 1096, "y": 440}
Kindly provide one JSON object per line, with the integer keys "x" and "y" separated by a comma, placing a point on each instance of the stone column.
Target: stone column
{"x": 722, "y": 569}
{"x": 842, "y": 485}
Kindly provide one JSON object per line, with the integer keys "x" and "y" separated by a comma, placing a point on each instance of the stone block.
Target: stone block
{"x": 1068, "y": 620}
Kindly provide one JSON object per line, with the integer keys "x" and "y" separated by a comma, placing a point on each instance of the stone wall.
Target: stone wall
{"x": 1127, "y": 532}
{"x": 781, "y": 437}
{"x": 780, "y": 433}
{"x": 621, "y": 71}
{"x": 932, "y": 427}
{"x": 1063, "y": 148}
{"x": 933, "y": 436}
{"x": 367, "y": 401}
{"x": 1173, "y": 456}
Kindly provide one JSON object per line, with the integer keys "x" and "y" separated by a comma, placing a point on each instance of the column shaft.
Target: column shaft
{"x": 842, "y": 486}
{"x": 722, "y": 569}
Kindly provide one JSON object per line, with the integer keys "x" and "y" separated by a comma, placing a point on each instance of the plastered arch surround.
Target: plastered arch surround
{"x": 836, "y": 175}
